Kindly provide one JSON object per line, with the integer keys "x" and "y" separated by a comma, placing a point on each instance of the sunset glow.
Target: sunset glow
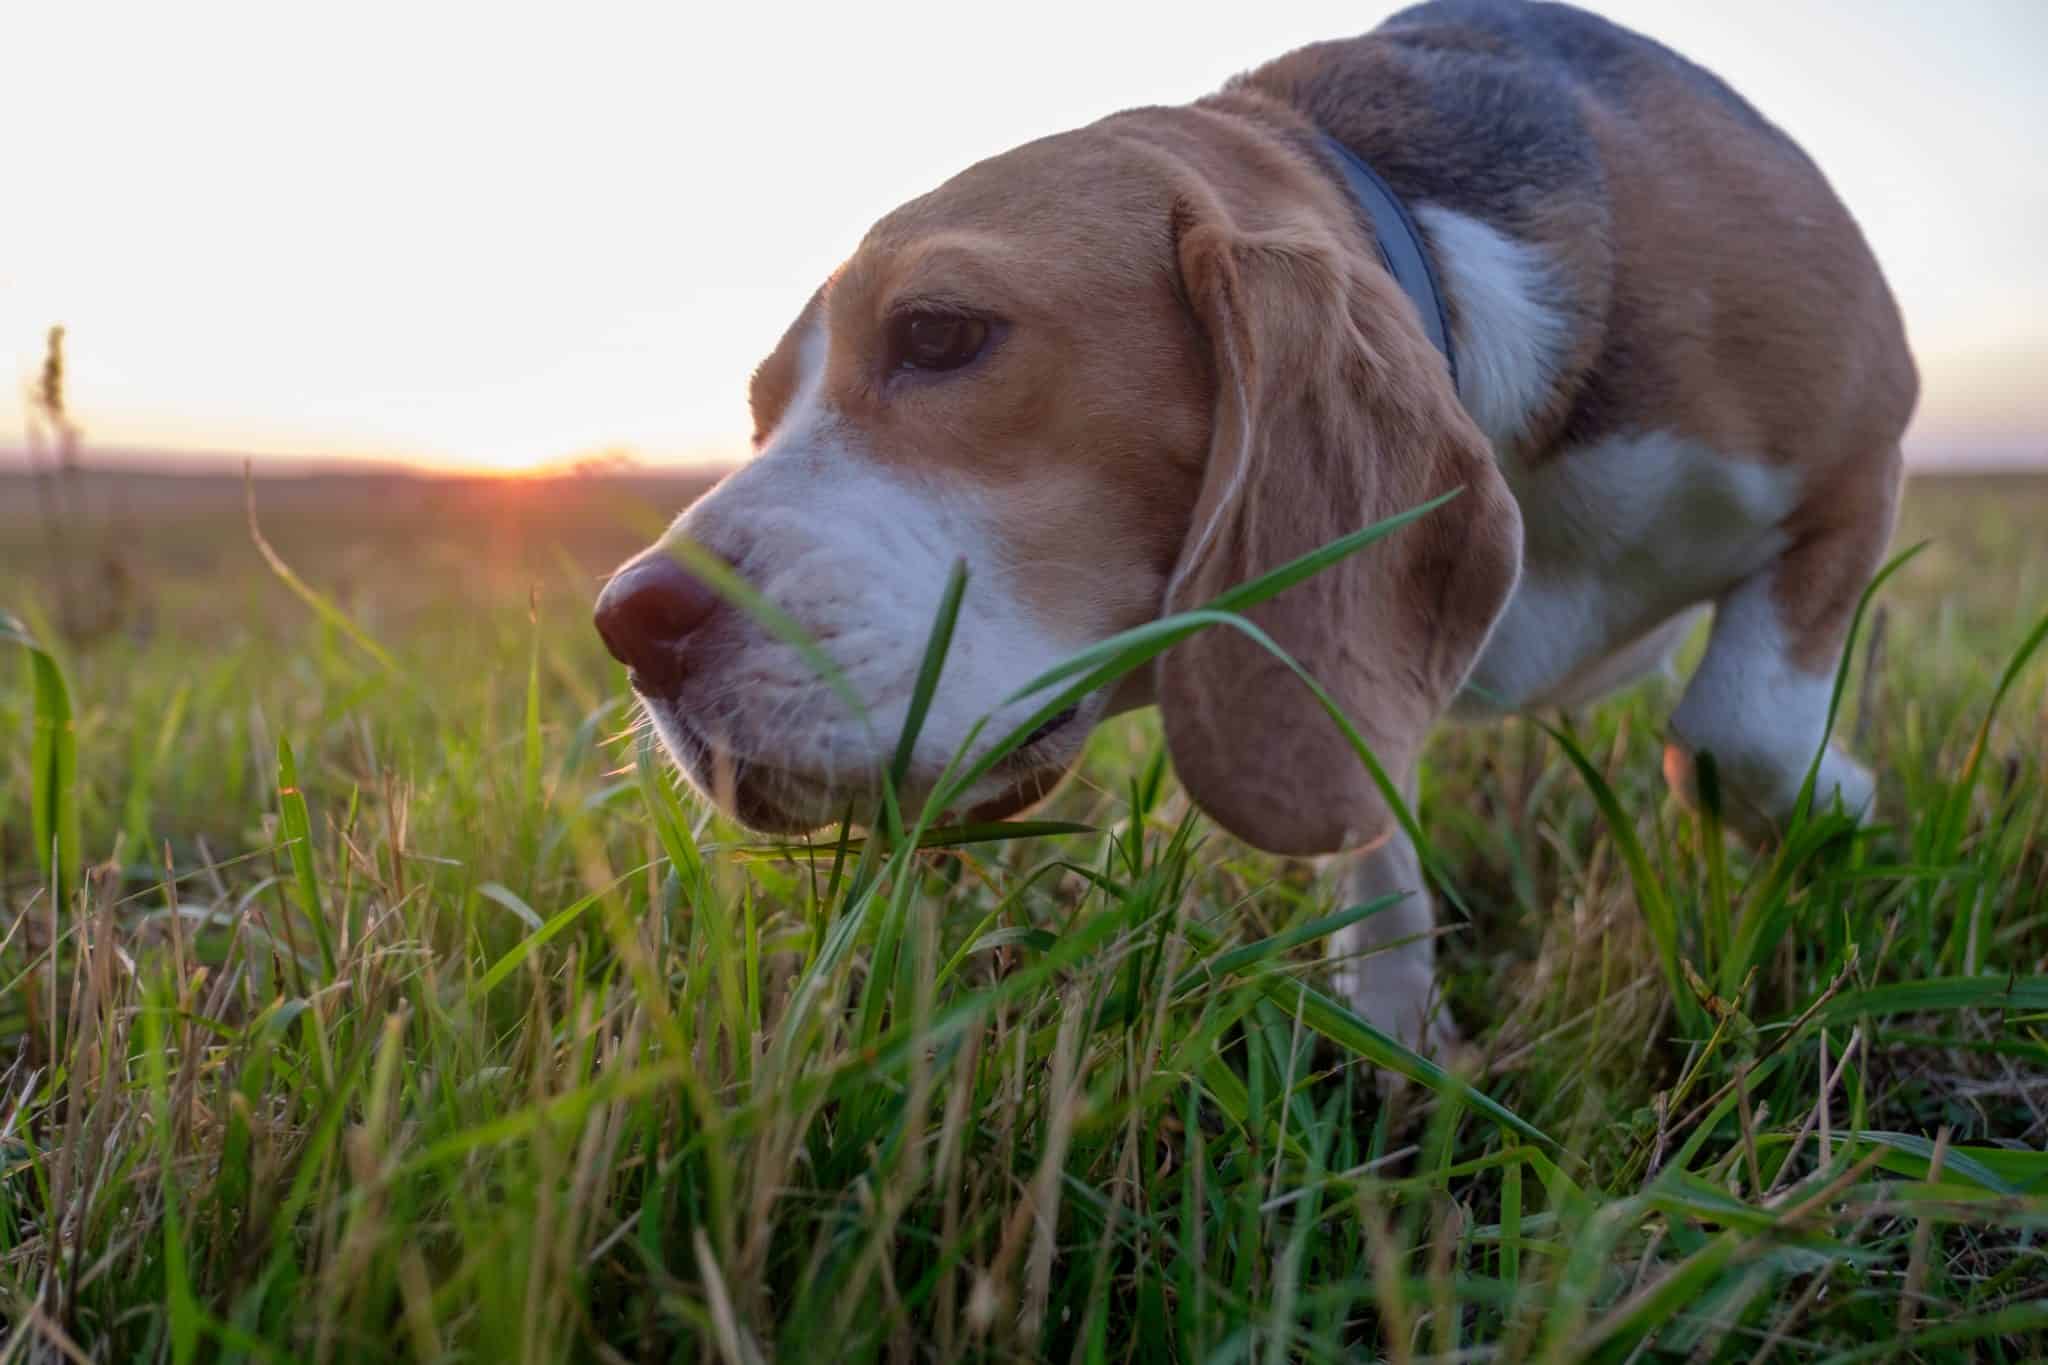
{"x": 481, "y": 239}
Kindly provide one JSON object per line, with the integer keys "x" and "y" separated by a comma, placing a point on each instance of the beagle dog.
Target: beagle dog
{"x": 1498, "y": 247}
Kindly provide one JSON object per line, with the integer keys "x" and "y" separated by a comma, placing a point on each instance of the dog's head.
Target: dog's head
{"x": 1115, "y": 372}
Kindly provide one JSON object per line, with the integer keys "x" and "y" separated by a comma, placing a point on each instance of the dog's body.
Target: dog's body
{"x": 1122, "y": 369}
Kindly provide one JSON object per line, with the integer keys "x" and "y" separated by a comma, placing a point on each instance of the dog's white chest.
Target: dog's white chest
{"x": 1619, "y": 540}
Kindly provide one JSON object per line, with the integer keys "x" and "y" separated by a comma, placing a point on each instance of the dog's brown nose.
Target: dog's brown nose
{"x": 646, "y": 615}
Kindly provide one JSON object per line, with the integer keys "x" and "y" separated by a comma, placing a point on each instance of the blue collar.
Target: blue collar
{"x": 1400, "y": 244}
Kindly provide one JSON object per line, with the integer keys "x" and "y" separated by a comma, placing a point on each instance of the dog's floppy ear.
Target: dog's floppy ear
{"x": 1333, "y": 411}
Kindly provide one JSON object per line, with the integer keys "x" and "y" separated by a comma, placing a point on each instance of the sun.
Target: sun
{"x": 511, "y": 466}
{"x": 508, "y": 464}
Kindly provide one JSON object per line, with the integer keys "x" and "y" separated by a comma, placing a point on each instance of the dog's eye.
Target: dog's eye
{"x": 936, "y": 341}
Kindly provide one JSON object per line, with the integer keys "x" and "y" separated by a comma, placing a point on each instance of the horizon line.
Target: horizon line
{"x": 1990, "y": 457}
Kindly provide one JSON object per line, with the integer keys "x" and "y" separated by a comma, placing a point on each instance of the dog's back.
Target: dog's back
{"x": 1705, "y": 268}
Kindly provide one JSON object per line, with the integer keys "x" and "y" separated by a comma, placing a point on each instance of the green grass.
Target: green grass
{"x": 406, "y": 1011}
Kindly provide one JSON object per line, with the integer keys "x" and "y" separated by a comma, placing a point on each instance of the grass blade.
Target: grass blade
{"x": 1957, "y": 812}
{"x": 297, "y": 825}
{"x": 1651, "y": 897}
{"x": 1804, "y": 804}
{"x": 326, "y": 610}
{"x": 944, "y": 836}
{"x": 53, "y": 765}
{"x": 936, "y": 645}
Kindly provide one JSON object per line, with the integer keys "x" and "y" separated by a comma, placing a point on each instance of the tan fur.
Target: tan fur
{"x": 1332, "y": 413}
{"x": 1745, "y": 349}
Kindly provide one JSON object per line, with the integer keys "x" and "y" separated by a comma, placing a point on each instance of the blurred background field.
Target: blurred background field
{"x": 545, "y": 1095}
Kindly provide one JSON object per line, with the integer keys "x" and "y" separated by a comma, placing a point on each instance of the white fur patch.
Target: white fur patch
{"x": 1510, "y": 336}
{"x": 1618, "y": 539}
{"x": 804, "y": 419}
{"x": 858, "y": 554}
{"x": 1762, "y": 716}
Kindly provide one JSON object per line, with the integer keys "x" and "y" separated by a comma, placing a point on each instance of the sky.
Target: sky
{"x": 499, "y": 236}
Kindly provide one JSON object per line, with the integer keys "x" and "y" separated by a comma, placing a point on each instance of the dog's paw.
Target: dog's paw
{"x": 1436, "y": 1038}
{"x": 1400, "y": 999}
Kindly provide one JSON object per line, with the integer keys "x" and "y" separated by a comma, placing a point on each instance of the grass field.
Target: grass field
{"x": 403, "y": 1013}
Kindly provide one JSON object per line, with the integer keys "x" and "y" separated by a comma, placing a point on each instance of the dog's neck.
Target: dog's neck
{"x": 1400, "y": 242}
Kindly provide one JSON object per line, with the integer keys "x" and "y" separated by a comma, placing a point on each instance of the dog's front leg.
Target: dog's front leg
{"x": 1386, "y": 962}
